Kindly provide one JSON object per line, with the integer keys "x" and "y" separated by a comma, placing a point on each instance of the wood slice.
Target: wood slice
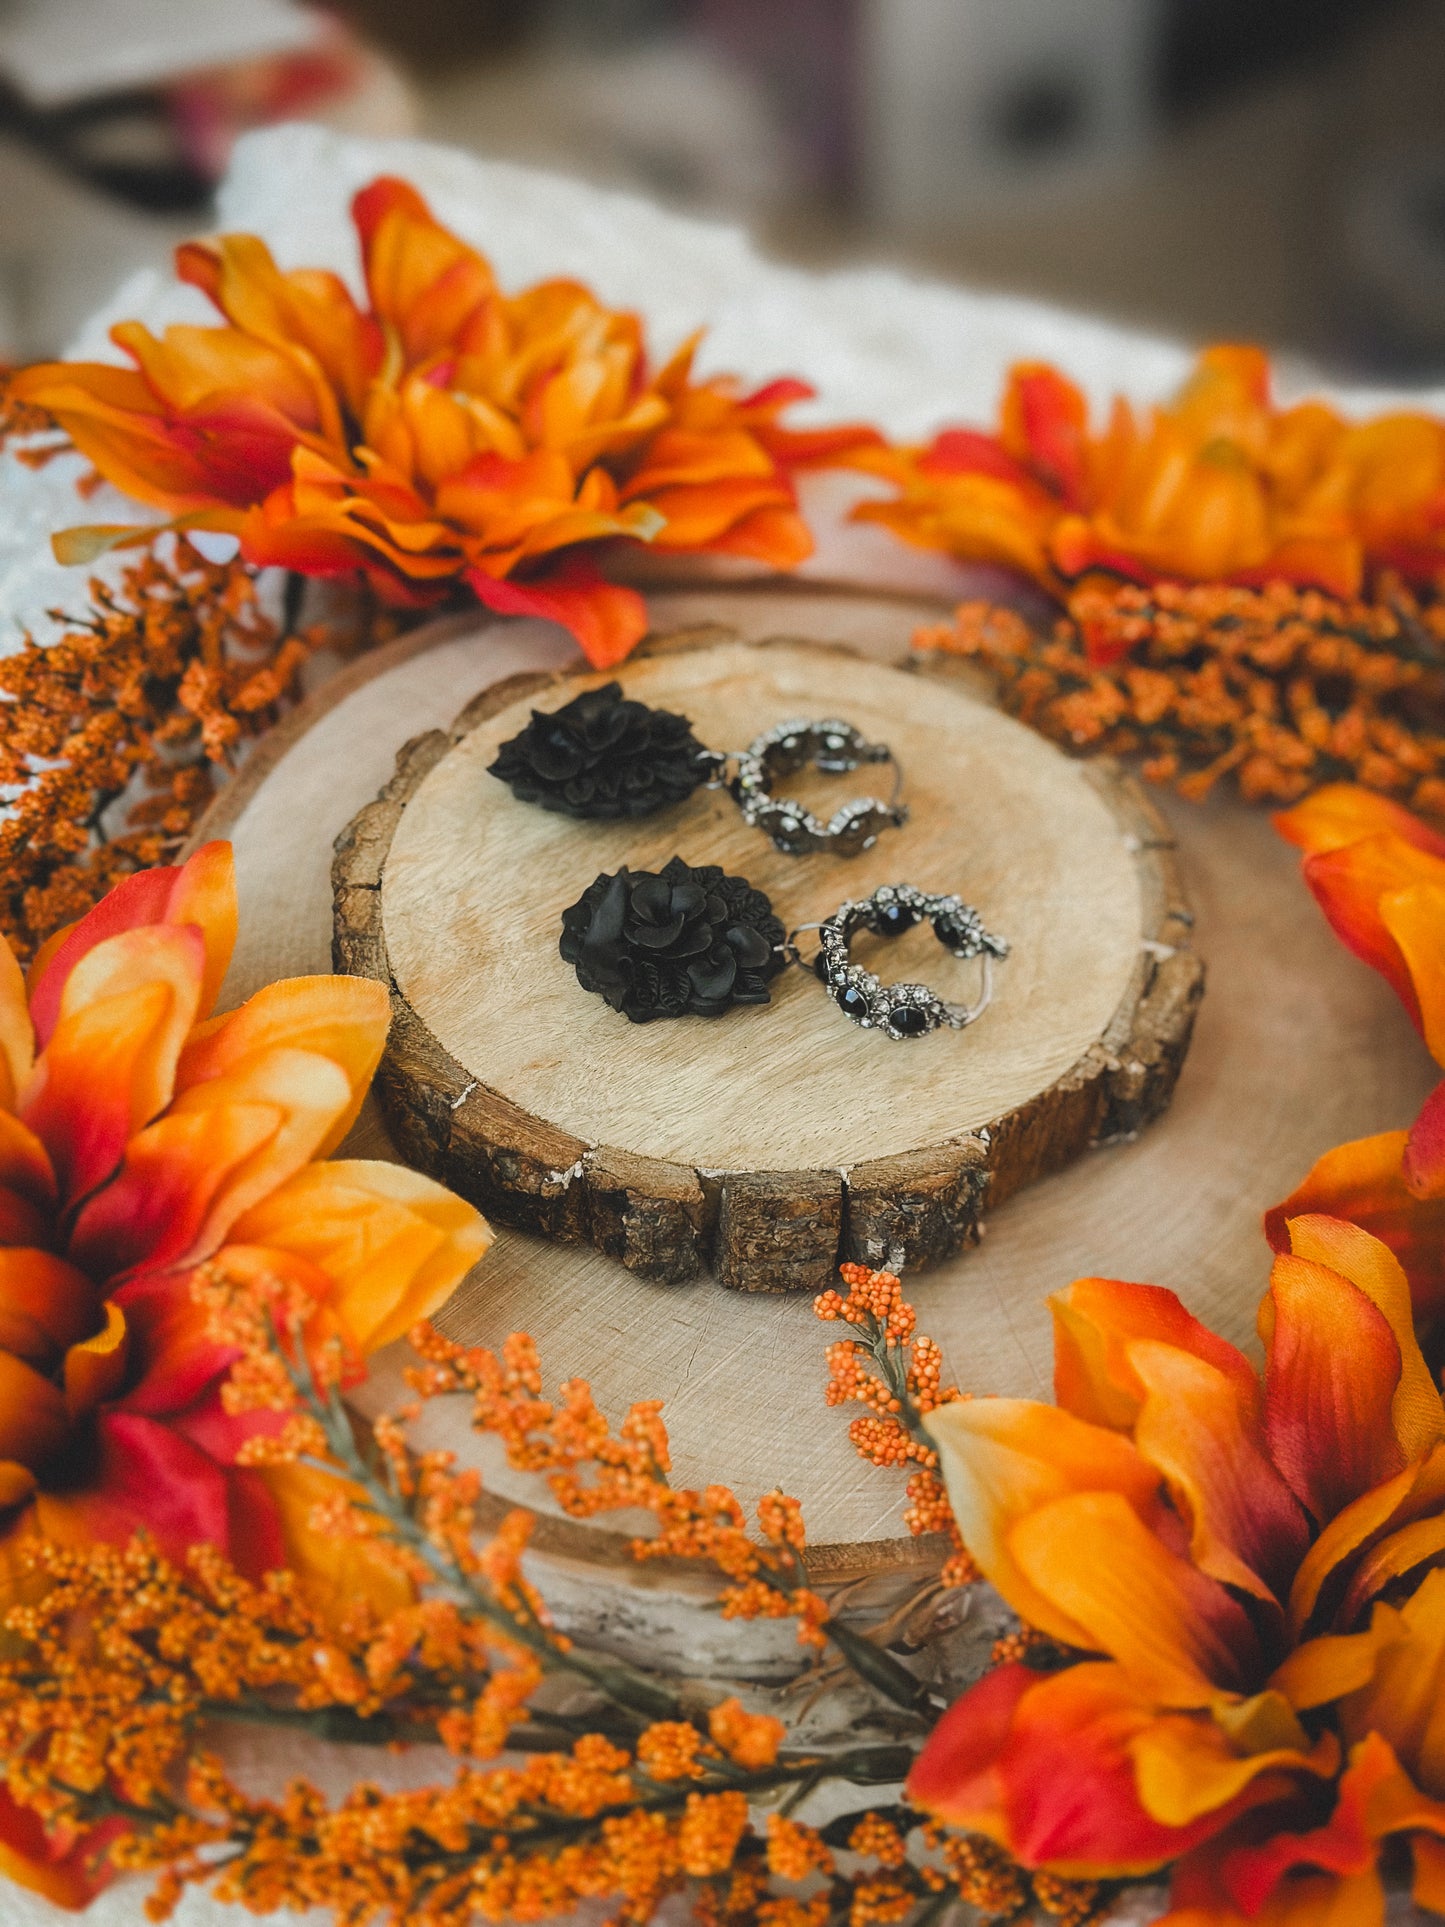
{"x": 771, "y": 1144}
{"x": 1298, "y": 1047}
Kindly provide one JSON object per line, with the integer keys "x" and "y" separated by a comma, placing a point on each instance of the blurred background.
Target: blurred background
{"x": 1262, "y": 169}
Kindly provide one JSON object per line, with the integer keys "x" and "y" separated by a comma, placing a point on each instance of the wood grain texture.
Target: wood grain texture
{"x": 770, "y": 1145}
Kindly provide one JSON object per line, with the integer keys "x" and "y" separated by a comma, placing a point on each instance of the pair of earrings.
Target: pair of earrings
{"x": 694, "y": 941}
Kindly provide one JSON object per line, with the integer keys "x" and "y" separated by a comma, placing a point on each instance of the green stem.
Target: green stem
{"x": 860, "y": 1766}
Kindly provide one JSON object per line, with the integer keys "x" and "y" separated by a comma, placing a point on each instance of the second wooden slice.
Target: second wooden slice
{"x": 773, "y": 1142}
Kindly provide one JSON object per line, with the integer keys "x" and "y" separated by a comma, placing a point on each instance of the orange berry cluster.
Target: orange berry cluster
{"x": 1074, "y": 1903}
{"x": 626, "y": 1470}
{"x": 110, "y": 734}
{"x": 897, "y": 1372}
{"x": 1276, "y": 689}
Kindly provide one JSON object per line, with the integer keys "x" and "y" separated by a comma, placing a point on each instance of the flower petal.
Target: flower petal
{"x": 167, "y": 1203}
{"x": 1416, "y": 1411}
{"x": 1351, "y": 885}
{"x": 343, "y": 1018}
{"x": 1002, "y": 1458}
{"x": 174, "y": 1362}
{"x": 1404, "y": 1701}
{"x": 1428, "y": 1887}
{"x": 95, "y": 1368}
{"x": 607, "y": 619}
{"x": 1181, "y": 1638}
{"x": 67, "y": 1869}
{"x": 46, "y": 1305}
{"x": 17, "y": 1039}
{"x": 1423, "y": 1164}
{"x": 1420, "y": 1542}
{"x": 1344, "y": 1845}
{"x": 1045, "y": 422}
{"x": 17, "y": 1483}
{"x": 1301, "y": 1900}
{"x": 24, "y": 1163}
{"x": 1095, "y": 1322}
{"x": 33, "y": 1419}
{"x": 225, "y": 1145}
{"x": 202, "y": 891}
{"x": 1044, "y": 1764}
{"x": 1337, "y": 814}
{"x": 1325, "y": 1669}
{"x": 956, "y": 1774}
{"x": 423, "y": 280}
{"x": 1188, "y": 1767}
{"x": 1415, "y": 919}
{"x": 1416, "y": 1492}
{"x": 150, "y": 1477}
{"x": 1246, "y": 1526}
{"x": 1333, "y": 1367}
{"x": 109, "y": 1066}
{"x": 1364, "y": 1182}
{"x": 335, "y": 1572}
{"x": 394, "y": 1243}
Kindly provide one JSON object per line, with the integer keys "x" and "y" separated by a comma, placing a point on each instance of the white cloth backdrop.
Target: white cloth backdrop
{"x": 905, "y": 353}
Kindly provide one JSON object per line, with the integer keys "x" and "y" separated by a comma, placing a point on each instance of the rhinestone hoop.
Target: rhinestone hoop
{"x": 901, "y": 1010}
{"x": 835, "y": 747}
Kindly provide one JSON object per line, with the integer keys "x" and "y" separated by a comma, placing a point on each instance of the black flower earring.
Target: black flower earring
{"x": 605, "y": 756}
{"x": 672, "y": 943}
{"x": 899, "y": 1010}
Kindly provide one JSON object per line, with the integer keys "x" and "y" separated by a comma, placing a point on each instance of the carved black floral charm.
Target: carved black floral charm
{"x": 672, "y": 943}
{"x": 603, "y": 755}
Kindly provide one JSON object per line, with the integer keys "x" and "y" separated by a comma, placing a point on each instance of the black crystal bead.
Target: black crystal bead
{"x": 673, "y": 943}
{"x": 820, "y": 967}
{"x": 895, "y": 918}
{"x": 908, "y": 1020}
{"x": 851, "y": 1001}
{"x": 604, "y": 756}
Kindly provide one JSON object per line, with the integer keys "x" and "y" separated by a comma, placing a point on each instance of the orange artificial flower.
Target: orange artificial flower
{"x": 1240, "y": 1571}
{"x": 1220, "y": 486}
{"x": 1378, "y": 873}
{"x": 445, "y": 433}
{"x": 140, "y": 1137}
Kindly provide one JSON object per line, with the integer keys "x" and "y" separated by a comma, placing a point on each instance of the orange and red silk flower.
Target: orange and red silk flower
{"x": 1238, "y": 1572}
{"x": 1378, "y": 873}
{"x": 141, "y": 1138}
{"x": 1221, "y": 485}
{"x": 445, "y": 433}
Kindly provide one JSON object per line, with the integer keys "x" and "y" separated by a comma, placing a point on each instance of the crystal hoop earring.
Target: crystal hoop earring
{"x": 834, "y": 747}
{"x": 899, "y": 1010}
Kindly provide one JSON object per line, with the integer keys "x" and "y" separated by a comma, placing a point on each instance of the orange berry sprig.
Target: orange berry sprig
{"x": 630, "y": 1470}
{"x": 897, "y": 1373}
{"x": 414, "y": 1510}
{"x": 1275, "y": 690}
{"x": 110, "y": 734}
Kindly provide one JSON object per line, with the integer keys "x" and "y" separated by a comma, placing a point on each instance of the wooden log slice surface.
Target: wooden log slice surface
{"x": 771, "y": 1143}
{"x": 1298, "y": 1047}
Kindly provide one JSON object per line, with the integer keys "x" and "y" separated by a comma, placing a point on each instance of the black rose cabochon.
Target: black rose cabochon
{"x": 673, "y": 943}
{"x": 603, "y": 755}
